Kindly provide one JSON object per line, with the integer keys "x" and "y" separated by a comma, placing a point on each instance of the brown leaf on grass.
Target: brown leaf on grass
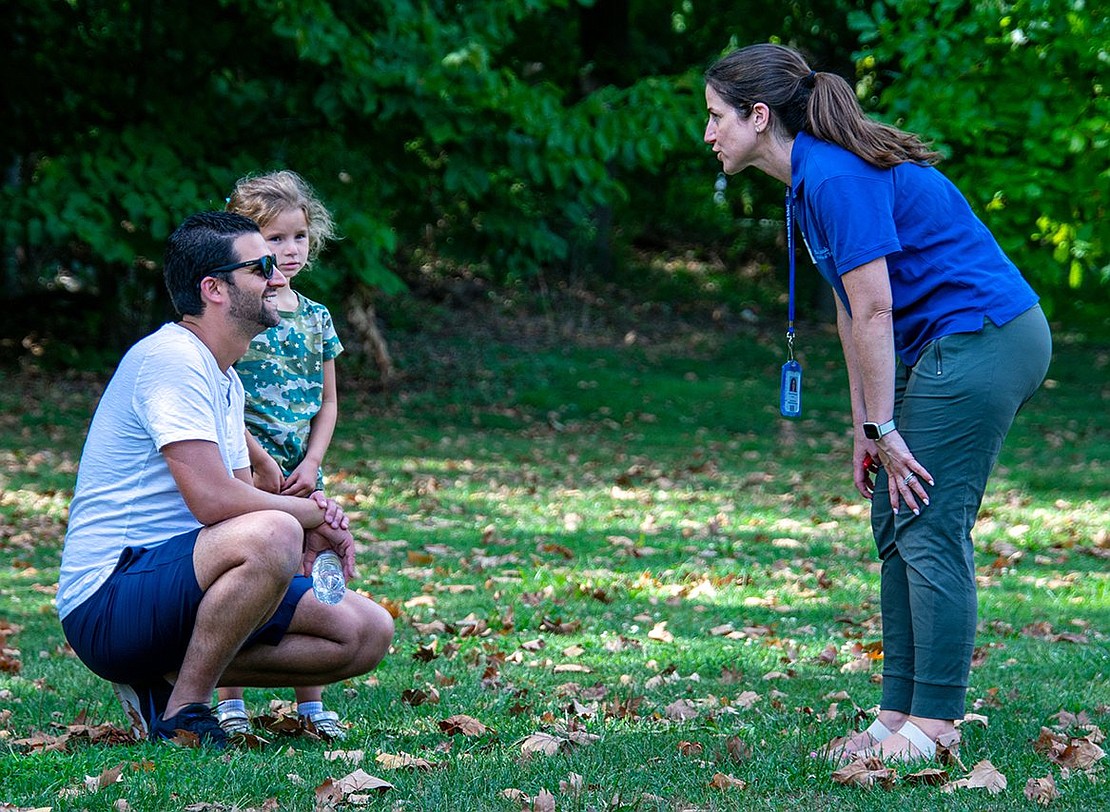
{"x": 681, "y": 710}
{"x": 420, "y": 696}
{"x": 690, "y": 749}
{"x": 659, "y": 633}
{"x": 1041, "y": 790}
{"x": 1079, "y": 754}
{"x": 1094, "y": 734}
{"x": 1066, "y": 719}
{"x": 722, "y": 781}
{"x": 404, "y": 761}
{"x": 731, "y": 676}
{"x": 828, "y": 656}
{"x": 1049, "y": 741}
{"x": 112, "y": 775}
{"x": 559, "y": 626}
{"x": 982, "y": 776}
{"x": 331, "y": 795}
{"x": 543, "y": 802}
{"x": 425, "y": 654}
{"x": 865, "y": 772}
{"x": 737, "y": 749}
{"x": 746, "y": 700}
{"x": 464, "y": 725}
{"x": 353, "y": 756}
{"x": 628, "y": 708}
{"x": 432, "y": 627}
{"x": 931, "y": 777}
{"x": 544, "y": 744}
{"x": 572, "y": 668}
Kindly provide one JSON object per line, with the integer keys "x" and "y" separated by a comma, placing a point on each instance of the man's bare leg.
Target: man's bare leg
{"x": 244, "y": 565}
{"x": 324, "y": 644}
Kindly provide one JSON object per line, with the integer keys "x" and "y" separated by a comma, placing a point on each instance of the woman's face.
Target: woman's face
{"x": 733, "y": 138}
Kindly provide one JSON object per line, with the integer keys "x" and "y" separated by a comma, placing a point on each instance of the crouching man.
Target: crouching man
{"x": 178, "y": 575}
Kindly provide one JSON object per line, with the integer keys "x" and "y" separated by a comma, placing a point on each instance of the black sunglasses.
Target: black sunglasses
{"x": 267, "y": 265}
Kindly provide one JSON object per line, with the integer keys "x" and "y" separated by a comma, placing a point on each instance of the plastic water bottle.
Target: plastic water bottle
{"x": 327, "y": 578}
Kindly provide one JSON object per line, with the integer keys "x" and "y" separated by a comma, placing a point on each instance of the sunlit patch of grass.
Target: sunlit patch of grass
{"x": 643, "y": 514}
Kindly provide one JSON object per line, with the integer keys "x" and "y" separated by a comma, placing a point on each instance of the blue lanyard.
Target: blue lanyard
{"x": 790, "y": 252}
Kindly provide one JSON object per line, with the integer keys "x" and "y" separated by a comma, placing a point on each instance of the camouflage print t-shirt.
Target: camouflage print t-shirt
{"x": 283, "y": 375}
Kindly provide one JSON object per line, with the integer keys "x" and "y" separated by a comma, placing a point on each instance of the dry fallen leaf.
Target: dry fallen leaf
{"x": 681, "y": 710}
{"x": 865, "y": 772}
{"x": 544, "y": 744}
{"x": 746, "y": 700}
{"x": 722, "y": 781}
{"x": 404, "y": 761}
{"x": 931, "y": 777}
{"x": 686, "y": 748}
{"x": 1079, "y": 754}
{"x": 659, "y": 632}
{"x": 738, "y": 750}
{"x": 466, "y": 725}
{"x": 353, "y": 756}
{"x": 982, "y": 776}
{"x": 1041, "y": 790}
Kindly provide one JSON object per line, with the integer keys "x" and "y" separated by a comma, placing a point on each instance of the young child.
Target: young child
{"x": 289, "y": 377}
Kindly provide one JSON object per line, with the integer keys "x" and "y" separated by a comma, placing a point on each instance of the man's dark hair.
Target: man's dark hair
{"x": 201, "y": 242}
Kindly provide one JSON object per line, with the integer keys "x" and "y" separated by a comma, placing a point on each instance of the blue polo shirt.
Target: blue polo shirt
{"x": 947, "y": 272}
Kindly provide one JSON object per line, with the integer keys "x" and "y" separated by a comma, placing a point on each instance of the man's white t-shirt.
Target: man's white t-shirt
{"x": 167, "y": 388}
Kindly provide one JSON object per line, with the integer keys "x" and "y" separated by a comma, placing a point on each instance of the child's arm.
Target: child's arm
{"x": 267, "y": 473}
{"x": 302, "y": 480}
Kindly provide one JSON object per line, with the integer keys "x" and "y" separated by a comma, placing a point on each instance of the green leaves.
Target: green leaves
{"x": 1016, "y": 101}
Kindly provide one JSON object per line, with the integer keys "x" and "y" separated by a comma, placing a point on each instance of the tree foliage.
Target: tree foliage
{"x": 504, "y": 136}
{"x": 1015, "y": 94}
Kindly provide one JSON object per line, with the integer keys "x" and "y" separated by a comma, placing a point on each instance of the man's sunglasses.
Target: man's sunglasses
{"x": 267, "y": 265}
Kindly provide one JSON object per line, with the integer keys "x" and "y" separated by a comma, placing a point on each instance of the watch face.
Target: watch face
{"x": 871, "y": 431}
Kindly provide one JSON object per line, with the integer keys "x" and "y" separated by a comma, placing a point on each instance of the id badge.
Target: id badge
{"x": 790, "y": 398}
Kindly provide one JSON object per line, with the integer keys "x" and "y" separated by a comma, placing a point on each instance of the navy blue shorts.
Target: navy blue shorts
{"x": 137, "y": 625}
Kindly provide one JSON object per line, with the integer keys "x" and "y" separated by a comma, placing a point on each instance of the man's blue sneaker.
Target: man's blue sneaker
{"x": 142, "y": 703}
{"x": 198, "y": 719}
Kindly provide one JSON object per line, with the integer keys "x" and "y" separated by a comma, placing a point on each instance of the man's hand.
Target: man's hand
{"x": 325, "y": 537}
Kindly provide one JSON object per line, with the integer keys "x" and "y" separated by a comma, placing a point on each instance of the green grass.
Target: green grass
{"x": 606, "y": 488}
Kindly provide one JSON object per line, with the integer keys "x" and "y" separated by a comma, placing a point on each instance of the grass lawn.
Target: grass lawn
{"x": 622, "y": 546}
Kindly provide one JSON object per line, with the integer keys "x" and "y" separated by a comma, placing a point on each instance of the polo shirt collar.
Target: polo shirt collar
{"x": 803, "y": 142}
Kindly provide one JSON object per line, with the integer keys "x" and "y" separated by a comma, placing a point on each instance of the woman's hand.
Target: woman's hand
{"x": 906, "y": 477}
{"x": 865, "y": 464}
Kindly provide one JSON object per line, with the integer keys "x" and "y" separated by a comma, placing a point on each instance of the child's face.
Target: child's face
{"x": 287, "y": 235}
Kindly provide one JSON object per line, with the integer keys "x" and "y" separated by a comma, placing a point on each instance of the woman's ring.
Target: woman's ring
{"x": 910, "y": 477}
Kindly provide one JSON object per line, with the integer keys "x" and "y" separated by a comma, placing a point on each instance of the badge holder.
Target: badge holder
{"x": 790, "y": 395}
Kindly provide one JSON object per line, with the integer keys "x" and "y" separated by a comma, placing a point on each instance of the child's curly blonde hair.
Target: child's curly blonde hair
{"x": 264, "y": 197}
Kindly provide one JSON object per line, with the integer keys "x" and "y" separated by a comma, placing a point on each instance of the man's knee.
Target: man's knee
{"x": 370, "y": 633}
{"x": 266, "y": 541}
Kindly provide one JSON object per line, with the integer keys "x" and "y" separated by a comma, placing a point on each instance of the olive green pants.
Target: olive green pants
{"x": 953, "y": 408}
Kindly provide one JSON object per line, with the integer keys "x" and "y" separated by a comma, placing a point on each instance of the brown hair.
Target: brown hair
{"x": 264, "y": 197}
{"x": 821, "y": 104}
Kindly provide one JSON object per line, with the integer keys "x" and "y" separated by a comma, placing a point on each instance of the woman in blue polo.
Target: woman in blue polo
{"x": 943, "y": 340}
